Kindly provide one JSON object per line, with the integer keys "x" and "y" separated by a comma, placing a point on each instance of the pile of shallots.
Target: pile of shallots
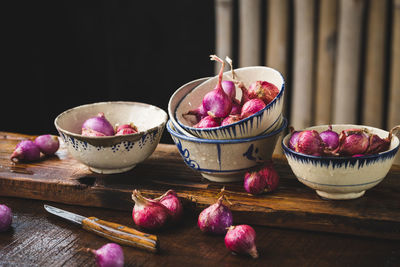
{"x": 28, "y": 150}
{"x": 220, "y": 107}
{"x": 349, "y": 143}
{"x": 100, "y": 126}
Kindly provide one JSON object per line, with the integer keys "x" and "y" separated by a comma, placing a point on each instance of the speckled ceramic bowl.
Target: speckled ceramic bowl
{"x": 341, "y": 177}
{"x": 225, "y": 160}
{"x": 112, "y": 154}
{"x": 263, "y": 121}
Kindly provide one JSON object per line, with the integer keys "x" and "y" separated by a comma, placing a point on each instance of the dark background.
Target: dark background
{"x": 61, "y": 54}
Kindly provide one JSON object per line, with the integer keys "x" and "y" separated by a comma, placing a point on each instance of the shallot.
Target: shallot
{"x": 97, "y": 126}
{"x": 148, "y": 213}
{"x": 208, "y": 122}
{"x": 330, "y": 139}
{"x": 236, "y": 107}
{"x": 263, "y": 90}
{"x": 241, "y": 239}
{"x": 47, "y": 144}
{"x": 266, "y": 179}
{"x": 216, "y": 218}
{"x": 217, "y": 103}
{"x": 229, "y": 88}
{"x": 293, "y": 138}
{"x": 109, "y": 255}
{"x": 126, "y": 129}
{"x": 230, "y": 119}
{"x": 309, "y": 142}
{"x": 5, "y": 218}
{"x": 199, "y": 112}
{"x": 251, "y": 107}
{"x": 26, "y": 150}
{"x": 352, "y": 141}
{"x": 171, "y": 201}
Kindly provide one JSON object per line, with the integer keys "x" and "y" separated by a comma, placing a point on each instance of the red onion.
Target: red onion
{"x": 293, "y": 138}
{"x": 5, "y": 218}
{"x": 229, "y": 89}
{"x": 263, "y": 90}
{"x": 330, "y": 138}
{"x": 251, "y": 107}
{"x": 241, "y": 239}
{"x": 230, "y": 119}
{"x": 236, "y": 107}
{"x": 126, "y": 129}
{"x": 171, "y": 201}
{"x": 97, "y": 126}
{"x": 148, "y": 213}
{"x": 377, "y": 144}
{"x": 351, "y": 142}
{"x": 47, "y": 144}
{"x": 217, "y": 103}
{"x": 208, "y": 122}
{"x": 265, "y": 179}
{"x": 216, "y": 218}
{"x": 26, "y": 150}
{"x": 109, "y": 255}
{"x": 309, "y": 142}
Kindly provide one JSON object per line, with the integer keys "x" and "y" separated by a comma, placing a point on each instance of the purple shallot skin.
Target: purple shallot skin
{"x": 26, "y": 150}
{"x": 330, "y": 139}
{"x": 109, "y": 255}
{"x": 263, "y": 90}
{"x": 352, "y": 141}
{"x": 48, "y": 144}
{"x": 230, "y": 119}
{"x": 98, "y": 124}
{"x": 236, "y": 107}
{"x": 229, "y": 88}
{"x": 293, "y": 138}
{"x": 241, "y": 239}
{"x": 310, "y": 143}
{"x": 265, "y": 179}
{"x": 215, "y": 219}
{"x": 171, "y": 201}
{"x": 208, "y": 122}
{"x": 5, "y": 218}
{"x": 251, "y": 107}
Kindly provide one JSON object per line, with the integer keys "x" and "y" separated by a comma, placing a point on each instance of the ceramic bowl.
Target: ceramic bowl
{"x": 264, "y": 121}
{"x": 112, "y": 154}
{"x": 341, "y": 177}
{"x": 225, "y": 160}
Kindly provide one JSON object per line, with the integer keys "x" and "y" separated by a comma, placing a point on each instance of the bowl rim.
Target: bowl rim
{"x": 226, "y": 141}
{"x": 138, "y": 134}
{"x": 286, "y": 149}
{"x": 270, "y": 104}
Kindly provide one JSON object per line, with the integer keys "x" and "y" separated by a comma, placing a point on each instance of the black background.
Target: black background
{"x": 61, "y": 54}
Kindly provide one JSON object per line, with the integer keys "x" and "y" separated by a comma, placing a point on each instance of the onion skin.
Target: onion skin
{"x": 236, "y": 107}
{"x": 230, "y": 119}
{"x": 263, "y": 90}
{"x": 126, "y": 129}
{"x": 293, "y": 138}
{"x": 26, "y": 150}
{"x": 352, "y": 141}
{"x": 5, "y": 218}
{"x": 251, "y": 107}
{"x": 215, "y": 219}
{"x": 208, "y": 122}
{"x": 310, "y": 143}
{"x": 171, "y": 201}
{"x": 241, "y": 239}
{"x": 47, "y": 144}
{"x": 330, "y": 139}
{"x": 109, "y": 255}
{"x": 229, "y": 89}
{"x": 148, "y": 213}
{"x": 266, "y": 179}
{"x": 98, "y": 124}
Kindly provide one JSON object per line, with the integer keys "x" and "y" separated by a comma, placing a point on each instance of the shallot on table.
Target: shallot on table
{"x": 241, "y": 239}
{"x": 216, "y": 218}
{"x": 109, "y": 255}
{"x": 26, "y": 150}
{"x": 264, "y": 179}
{"x": 5, "y": 218}
{"x": 171, "y": 201}
{"x": 48, "y": 144}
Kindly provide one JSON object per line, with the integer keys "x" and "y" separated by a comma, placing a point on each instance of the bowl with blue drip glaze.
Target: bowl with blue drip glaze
{"x": 225, "y": 160}
{"x": 118, "y": 153}
{"x": 341, "y": 177}
{"x": 266, "y": 120}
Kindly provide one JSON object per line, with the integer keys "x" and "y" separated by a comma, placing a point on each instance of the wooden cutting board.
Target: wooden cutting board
{"x": 62, "y": 179}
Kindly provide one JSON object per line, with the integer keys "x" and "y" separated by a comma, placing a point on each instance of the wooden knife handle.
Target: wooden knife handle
{"x": 121, "y": 234}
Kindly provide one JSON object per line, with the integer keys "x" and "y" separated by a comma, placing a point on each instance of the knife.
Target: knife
{"x": 116, "y": 232}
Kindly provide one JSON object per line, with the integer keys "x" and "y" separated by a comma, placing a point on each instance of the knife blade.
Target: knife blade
{"x": 115, "y": 232}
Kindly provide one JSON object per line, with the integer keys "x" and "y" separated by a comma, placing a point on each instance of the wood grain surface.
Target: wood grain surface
{"x": 295, "y": 206}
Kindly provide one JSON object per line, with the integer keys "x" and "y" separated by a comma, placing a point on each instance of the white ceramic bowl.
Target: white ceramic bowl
{"x": 264, "y": 121}
{"x": 112, "y": 154}
{"x": 341, "y": 177}
{"x": 225, "y": 160}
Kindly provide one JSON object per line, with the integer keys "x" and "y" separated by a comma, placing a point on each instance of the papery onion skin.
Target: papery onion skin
{"x": 48, "y": 144}
{"x": 251, "y": 107}
{"x": 126, "y": 129}
{"x": 265, "y": 179}
{"x": 208, "y": 122}
{"x": 230, "y": 119}
{"x": 263, "y": 90}
{"x": 330, "y": 138}
{"x": 109, "y": 255}
{"x": 27, "y": 151}
{"x": 351, "y": 142}
{"x": 172, "y": 202}
{"x": 97, "y": 124}
{"x": 241, "y": 239}
{"x": 310, "y": 143}
{"x": 148, "y": 213}
{"x": 293, "y": 138}
{"x": 5, "y": 218}
{"x": 229, "y": 88}
{"x": 215, "y": 219}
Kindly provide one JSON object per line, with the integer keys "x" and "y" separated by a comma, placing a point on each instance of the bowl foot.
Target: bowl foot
{"x": 340, "y": 195}
{"x": 111, "y": 171}
{"x": 223, "y": 178}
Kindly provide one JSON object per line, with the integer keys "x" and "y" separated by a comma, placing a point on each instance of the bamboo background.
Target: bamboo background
{"x": 340, "y": 58}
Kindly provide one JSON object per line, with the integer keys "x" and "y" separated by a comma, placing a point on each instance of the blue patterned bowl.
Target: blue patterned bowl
{"x": 264, "y": 121}
{"x": 112, "y": 154}
{"x": 341, "y": 177}
{"x": 225, "y": 160}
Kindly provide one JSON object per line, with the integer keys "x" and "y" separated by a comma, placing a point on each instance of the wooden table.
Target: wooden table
{"x": 294, "y": 226}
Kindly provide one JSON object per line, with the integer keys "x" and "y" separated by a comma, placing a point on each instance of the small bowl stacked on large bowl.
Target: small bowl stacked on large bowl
{"x": 225, "y": 153}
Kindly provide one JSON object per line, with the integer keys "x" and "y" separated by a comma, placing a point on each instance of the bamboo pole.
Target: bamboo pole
{"x": 223, "y": 29}
{"x": 372, "y": 109}
{"x": 348, "y": 62}
{"x": 302, "y": 85}
{"x": 249, "y": 33}
{"x": 277, "y": 42}
{"x": 394, "y": 93}
{"x": 326, "y": 55}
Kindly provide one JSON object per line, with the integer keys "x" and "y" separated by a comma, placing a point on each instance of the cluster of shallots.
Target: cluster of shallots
{"x": 154, "y": 214}
{"x": 28, "y": 150}
{"x": 220, "y": 106}
{"x": 349, "y": 143}
{"x": 217, "y": 219}
{"x": 100, "y": 126}
{"x": 262, "y": 179}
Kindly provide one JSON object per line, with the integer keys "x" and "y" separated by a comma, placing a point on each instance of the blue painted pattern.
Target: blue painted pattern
{"x": 186, "y": 155}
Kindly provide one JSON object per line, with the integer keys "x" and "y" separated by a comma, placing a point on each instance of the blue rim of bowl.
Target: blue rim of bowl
{"x": 226, "y": 141}
{"x": 258, "y": 114}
